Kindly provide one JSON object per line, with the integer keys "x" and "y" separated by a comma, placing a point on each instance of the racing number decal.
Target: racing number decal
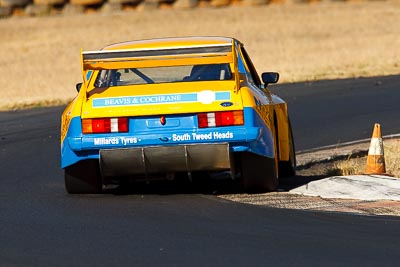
{"x": 264, "y": 110}
{"x": 65, "y": 124}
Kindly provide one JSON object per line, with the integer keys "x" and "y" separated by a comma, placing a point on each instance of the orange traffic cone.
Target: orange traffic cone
{"x": 376, "y": 158}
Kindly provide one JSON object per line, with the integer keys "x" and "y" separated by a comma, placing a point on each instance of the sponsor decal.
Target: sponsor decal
{"x": 204, "y": 97}
{"x": 125, "y": 141}
{"x": 215, "y": 135}
{"x": 121, "y": 140}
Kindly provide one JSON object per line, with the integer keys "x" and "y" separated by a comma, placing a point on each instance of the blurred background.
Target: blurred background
{"x": 303, "y": 40}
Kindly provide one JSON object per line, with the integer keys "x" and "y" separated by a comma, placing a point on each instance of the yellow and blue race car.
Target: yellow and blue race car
{"x": 159, "y": 108}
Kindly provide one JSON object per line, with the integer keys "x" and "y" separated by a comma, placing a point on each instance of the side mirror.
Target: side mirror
{"x": 270, "y": 77}
{"x": 78, "y": 87}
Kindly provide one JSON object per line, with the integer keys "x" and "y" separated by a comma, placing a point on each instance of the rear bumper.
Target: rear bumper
{"x": 164, "y": 159}
{"x": 254, "y": 137}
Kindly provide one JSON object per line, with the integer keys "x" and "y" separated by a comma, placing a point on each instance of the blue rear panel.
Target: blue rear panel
{"x": 254, "y": 136}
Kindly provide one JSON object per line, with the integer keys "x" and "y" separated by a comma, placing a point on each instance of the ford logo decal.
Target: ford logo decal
{"x": 226, "y": 104}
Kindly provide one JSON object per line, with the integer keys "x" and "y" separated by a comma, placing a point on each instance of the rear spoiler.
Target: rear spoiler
{"x": 136, "y": 58}
{"x": 156, "y": 57}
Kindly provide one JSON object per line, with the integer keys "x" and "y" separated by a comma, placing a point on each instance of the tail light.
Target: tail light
{"x": 218, "y": 119}
{"x": 105, "y": 125}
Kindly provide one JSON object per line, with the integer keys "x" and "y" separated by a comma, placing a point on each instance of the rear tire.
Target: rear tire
{"x": 258, "y": 173}
{"x": 288, "y": 168}
{"x": 83, "y": 178}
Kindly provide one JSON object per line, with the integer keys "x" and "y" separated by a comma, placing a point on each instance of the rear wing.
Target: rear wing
{"x": 156, "y": 57}
{"x": 117, "y": 59}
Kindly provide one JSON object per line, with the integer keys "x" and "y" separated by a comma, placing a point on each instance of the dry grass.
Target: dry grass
{"x": 352, "y": 165}
{"x": 39, "y": 57}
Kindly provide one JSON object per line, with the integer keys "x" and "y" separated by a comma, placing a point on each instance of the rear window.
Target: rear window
{"x": 170, "y": 74}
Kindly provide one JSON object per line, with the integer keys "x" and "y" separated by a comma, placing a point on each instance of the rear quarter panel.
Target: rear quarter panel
{"x": 73, "y": 109}
{"x": 273, "y": 112}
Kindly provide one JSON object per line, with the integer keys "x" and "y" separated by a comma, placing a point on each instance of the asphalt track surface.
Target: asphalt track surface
{"x": 334, "y": 112}
{"x": 40, "y": 225}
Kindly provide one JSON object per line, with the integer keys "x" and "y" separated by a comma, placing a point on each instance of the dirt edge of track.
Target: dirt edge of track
{"x": 311, "y": 167}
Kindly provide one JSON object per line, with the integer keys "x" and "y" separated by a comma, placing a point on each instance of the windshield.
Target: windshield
{"x": 154, "y": 75}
